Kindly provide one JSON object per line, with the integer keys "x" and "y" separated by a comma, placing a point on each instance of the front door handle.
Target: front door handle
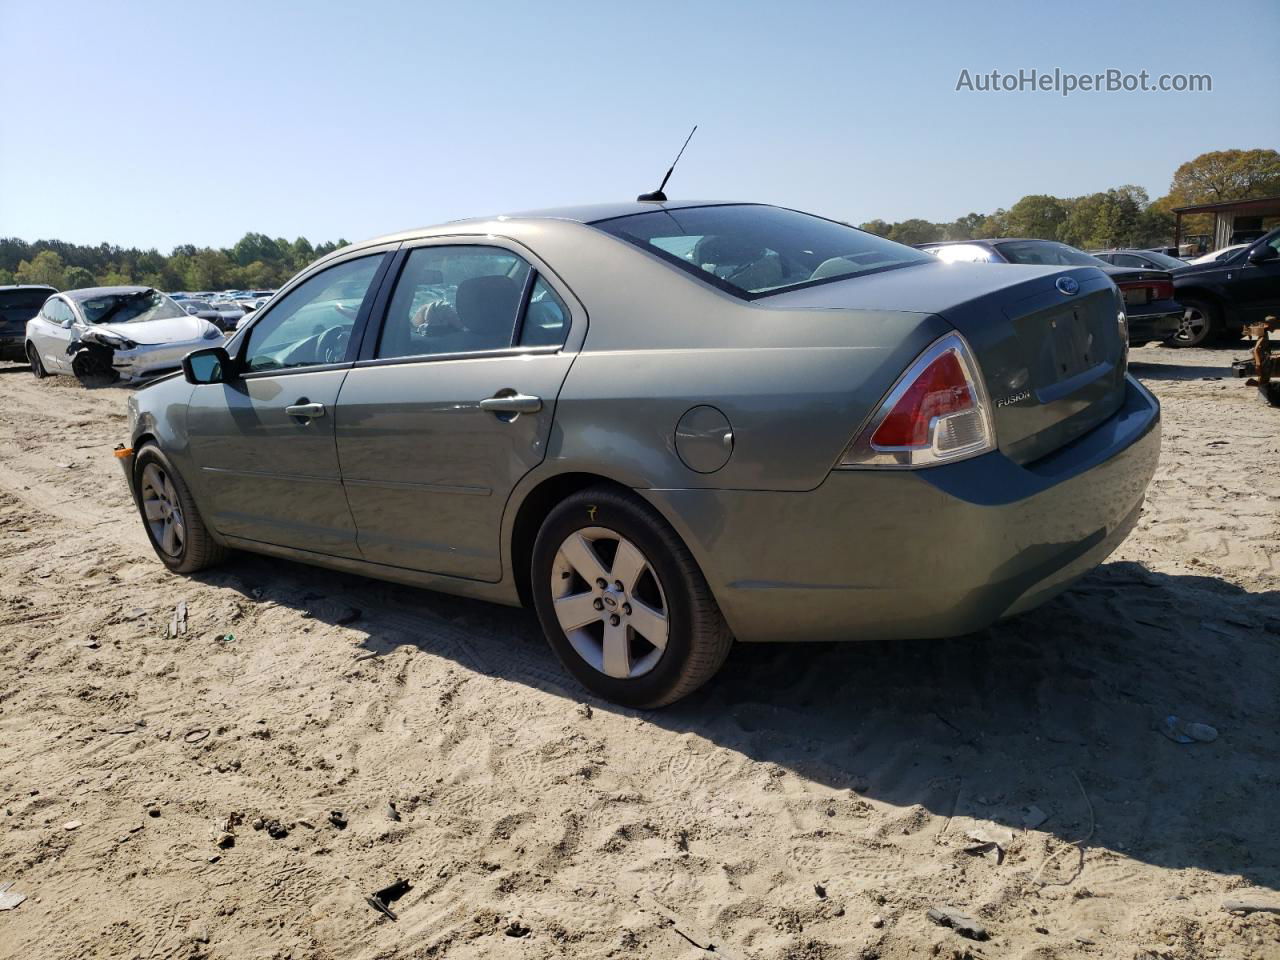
{"x": 305, "y": 410}
{"x": 511, "y": 403}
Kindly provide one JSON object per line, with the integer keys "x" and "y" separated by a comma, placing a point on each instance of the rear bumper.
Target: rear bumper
{"x": 13, "y": 346}
{"x": 1158, "y": 320}
{"x": 928, "y": 553}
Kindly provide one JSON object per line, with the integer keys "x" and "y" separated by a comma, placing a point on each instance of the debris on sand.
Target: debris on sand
{"x": 178, "y": 622}
{"x": 72, "y": 825}
{"x": 382, "y": 899}
{"x": 225, "y": 841}
{"x": 391, "y": 811}
{"x": 1239, "y": 905}
{"x": 958, "y": 921}
{"x": 195, "y": 736}
{"x": 1180, "y": 731}
{"x": 989, "y": 840}
{"x": 1033, "y": 817}
{"x": 9, "y": 900}
{"x": 337, "y": 819}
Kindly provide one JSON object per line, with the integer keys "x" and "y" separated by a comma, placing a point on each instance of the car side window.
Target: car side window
{"x": 1127, "y": 260}
{"x": 58, "y": 312}
{"x": 454, "y": 299}
{"x": 546, "y": 318}
{"x": 312, "y": 323}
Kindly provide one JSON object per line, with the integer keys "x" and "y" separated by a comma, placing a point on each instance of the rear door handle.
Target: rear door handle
{"x": 305, "y": 410}
{"x": 512, "y": 403}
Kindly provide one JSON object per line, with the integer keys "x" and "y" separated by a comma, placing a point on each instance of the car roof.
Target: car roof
{"x": 588, "y": 213}
{"x": 88, "y": 293}
{"x": 28, "y": 286}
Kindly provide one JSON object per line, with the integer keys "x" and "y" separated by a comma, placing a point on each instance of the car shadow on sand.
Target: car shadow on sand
{"x": 1059, "y": 709}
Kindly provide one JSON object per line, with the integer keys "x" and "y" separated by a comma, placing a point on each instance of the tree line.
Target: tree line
{"x": 1123, "y": 216}
{"x": 255, "y": 262}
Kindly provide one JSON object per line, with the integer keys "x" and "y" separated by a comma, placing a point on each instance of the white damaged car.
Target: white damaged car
{"x": 114, "y": 333}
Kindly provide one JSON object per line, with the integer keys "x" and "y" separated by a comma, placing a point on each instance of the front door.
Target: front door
{"x": 452, "y": 407}
{"x": 1258, "y": 284}
{"x": 264, "y": 440}
{"x": 51, "y": 334}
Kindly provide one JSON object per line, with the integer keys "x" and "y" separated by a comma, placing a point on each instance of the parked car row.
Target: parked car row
{"x": 1182, "y": 304}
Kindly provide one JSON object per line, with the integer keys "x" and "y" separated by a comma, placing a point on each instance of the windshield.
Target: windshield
{"x": 1164, "y": 260}
{"x": 751, "y": 250}
{"x": 198, "y": 304}
{"x": 130, "y": 307}
{"x": 1047, "y": 252}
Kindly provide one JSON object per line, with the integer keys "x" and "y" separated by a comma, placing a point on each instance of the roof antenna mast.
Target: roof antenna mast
{"x": 658, "y": 196}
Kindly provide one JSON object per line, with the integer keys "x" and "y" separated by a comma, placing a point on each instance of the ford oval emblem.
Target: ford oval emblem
{"x": 1067, "y": 285}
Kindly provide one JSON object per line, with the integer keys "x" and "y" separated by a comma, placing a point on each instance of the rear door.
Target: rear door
{"x": 264, "y": 441}
{"x": 452, "y": 402}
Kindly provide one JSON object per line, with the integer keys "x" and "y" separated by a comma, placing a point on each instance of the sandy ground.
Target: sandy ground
{"x": 812, "y": 803}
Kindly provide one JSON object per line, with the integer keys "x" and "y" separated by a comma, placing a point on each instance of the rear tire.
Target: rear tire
{"x": 170, "y": 517}
{"x": 1201, "y": 324}
{"x": 608, "y": 535}
{"x": 33, "y": 358}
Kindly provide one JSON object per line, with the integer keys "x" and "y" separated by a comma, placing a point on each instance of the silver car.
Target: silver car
{"x": 124, "y": 333}
{"x": 664, "y": 426}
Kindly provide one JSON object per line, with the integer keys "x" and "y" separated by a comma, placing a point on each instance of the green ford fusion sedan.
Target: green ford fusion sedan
{"x": 665, "y": 426}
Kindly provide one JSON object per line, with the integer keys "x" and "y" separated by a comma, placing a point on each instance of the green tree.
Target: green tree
{"x": 1037, "y": 215}
{"x": 1225, "y": 175}
{"x": 77, "y": 278}
{"x": 915, "y": 231}
{"x": 45, "y": 267}
{"x": 878, "y": 227}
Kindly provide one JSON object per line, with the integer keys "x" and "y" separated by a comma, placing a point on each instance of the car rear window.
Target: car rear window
{"x": 32, "y": 299}
{"x": 1047, "y": 252}
{"x": 752, "y": 250}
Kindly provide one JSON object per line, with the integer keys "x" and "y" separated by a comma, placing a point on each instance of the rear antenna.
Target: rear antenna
{"x": 658, "y": 196}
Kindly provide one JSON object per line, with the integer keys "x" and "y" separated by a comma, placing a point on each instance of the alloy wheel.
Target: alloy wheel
{"x": 163, "y": 510}
{"x": 1194, "y": 326}
{"x": 609, "y": 603}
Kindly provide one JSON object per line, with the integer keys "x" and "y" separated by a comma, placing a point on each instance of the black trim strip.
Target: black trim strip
{"x": 473, "y": 355}
{"x": 257, "y": 474}
{"x": 433, "y": 487}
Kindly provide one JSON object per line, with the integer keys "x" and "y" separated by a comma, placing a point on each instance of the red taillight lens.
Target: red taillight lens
{"x": 1162, "y": 290}
{"x": 939, "y": 390}
{"x": 937, "y": 412}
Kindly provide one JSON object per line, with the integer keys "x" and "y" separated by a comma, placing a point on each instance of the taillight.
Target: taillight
{"x": 1162, "y": 290}
{"x": 937, "y": 412}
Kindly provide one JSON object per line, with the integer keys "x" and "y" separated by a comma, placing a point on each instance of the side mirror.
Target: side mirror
{"x": 67, "y": 324}
{"x": 1263, "y": 254}
{"x": 192, "y": 311}
{"x": 210, "y": 365}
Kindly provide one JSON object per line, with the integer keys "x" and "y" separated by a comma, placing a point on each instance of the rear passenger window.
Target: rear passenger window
{"x": 546, "y": 320}
{"x": 454, "y": 299}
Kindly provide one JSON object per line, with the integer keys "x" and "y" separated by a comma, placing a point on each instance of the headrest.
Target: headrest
{"x": 487, "y": 305}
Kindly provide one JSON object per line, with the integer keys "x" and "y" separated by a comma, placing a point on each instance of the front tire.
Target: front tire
{"x": 1201, "y": 324}
{"x": 622, "y": 602}
{"x": 170, "y": 517}
{"x": 33, "y": 358}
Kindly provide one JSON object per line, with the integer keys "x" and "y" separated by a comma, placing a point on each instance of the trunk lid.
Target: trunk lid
{"x": 1053, "y": 362}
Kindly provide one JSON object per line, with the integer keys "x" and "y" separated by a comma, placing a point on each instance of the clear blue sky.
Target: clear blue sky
{"x": 154, "y": 124}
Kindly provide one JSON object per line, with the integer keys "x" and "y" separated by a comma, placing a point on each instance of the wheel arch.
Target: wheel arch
{"x": 1207, "y": 294}
{"x": 533, "y": 510}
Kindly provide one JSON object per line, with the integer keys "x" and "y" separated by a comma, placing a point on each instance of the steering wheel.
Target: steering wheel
{"x": 332, "y": 345}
